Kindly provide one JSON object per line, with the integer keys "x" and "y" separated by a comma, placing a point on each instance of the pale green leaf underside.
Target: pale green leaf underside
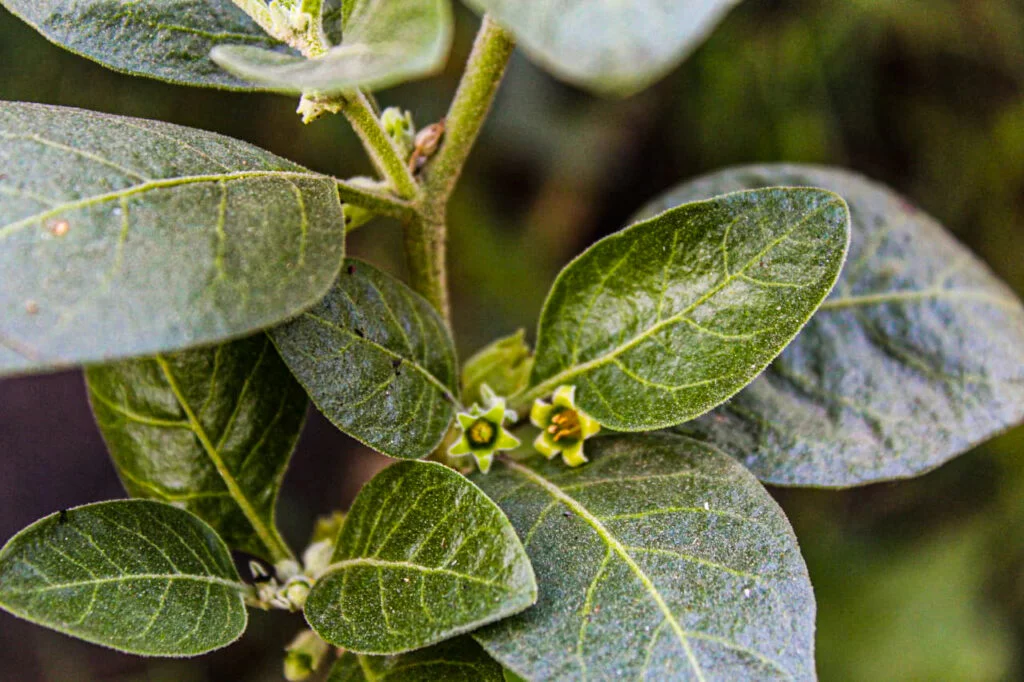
{"x": 384, "y": 43}
{"x": 211, "y": 430}
{"x": 377, "y": 361}
{"x": 662, "y": 559}
{"x": 456, "y": 660}
{"x": 608, "y": 46}
{"x": 137, "y": 576}
{"x": 122, "y": 237}
{"x": 423, "y": 556}
{"x": 917, "y": 355}
{"x": 668, "y": 318}
{"x": 165, "y": 39}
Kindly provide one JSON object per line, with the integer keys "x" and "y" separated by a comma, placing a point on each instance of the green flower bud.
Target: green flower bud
{"x": 563, "y": 426}
{"x": 503, "y": 365}
{"x": 296, "y": 593}
{"x": 483, "y": 430}
{"x": 400, "y": 128}
{"x": 304, "y": 656}
{"x": 357, "y": 216}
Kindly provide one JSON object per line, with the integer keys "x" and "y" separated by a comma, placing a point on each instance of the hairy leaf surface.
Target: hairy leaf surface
{"x": 378, "y": 362}
{"x": 384, "y": 43}
{"x": 423, "y": 556}
{"x": 122, "y": 237}
{"x": 668, "y": 318}
{"x": 609, "y": 46}
{"x": 457, "y": 660}
{"x": 138, "y": 576}
{"x": 917, "y": 355}
{"x": 662, "y": 559}
{"x": 211, "y": 430}
{"x": 165, "y": 39}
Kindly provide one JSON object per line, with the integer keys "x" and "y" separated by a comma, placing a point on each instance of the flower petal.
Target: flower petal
{"x": 573, "y": 455}
{"x": 461, "y": 447}
{"x": 484, "y": 462}
{"x": 565, "y": 396}
{"x": 540, "y": 413}
{"x": 506, "y": 441}
{"x": 544, "y": 446}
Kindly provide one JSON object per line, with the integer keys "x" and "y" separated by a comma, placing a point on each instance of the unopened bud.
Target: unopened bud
{"x": 304, "y": 656}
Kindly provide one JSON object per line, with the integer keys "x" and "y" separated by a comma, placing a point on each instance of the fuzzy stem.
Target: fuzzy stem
{"x": 425, "y": 237}
{"x": 484, "y": 71}
{"x": 378, "y": 145}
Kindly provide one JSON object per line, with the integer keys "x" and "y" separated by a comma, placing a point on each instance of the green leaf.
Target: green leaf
{"x": 665, "y": 320}
{"x": 210, "y": 430}
{"x": 165, "y": 39}
{"x": 423, "y": 556}
{"x": 457, "y": 660}
{"x": 504, "y": 365}
{"x": 662, "y": 559}
{"x": 121, "y": 237}
{"x": 917, "y": 356}
{"x": 385, "y": 43}
{"x": 378, "y": 362}
{"x": 608, "y": 46}
{"x": 137, "y": 576}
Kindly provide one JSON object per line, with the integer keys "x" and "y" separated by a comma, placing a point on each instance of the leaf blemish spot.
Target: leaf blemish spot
{"x": 31, "y": 307}
{"x": 59, "y": 228}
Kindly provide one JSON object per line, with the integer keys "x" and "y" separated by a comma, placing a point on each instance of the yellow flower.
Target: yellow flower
{"x": 483, "y": 430}
{"x": 563, "y": 426}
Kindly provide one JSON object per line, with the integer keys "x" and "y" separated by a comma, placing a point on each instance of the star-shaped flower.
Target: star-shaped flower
{"x": 563, "y": 426}
{"x": 483, "y": 430}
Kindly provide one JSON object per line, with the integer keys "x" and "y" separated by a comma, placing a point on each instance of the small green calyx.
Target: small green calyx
{"x": 483, "y": 430}
{"x": 563, "y": 426}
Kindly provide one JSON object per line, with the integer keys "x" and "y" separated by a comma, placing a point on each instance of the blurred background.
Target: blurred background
{"x": 915, "y": 581}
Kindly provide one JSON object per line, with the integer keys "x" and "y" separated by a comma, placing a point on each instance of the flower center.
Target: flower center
{"x": 565, "y": 424}
{"x": 481, "y": 433}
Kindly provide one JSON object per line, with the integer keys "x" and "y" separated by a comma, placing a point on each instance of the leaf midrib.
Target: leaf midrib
{"x": 546, "y": 387}
{"x": 267, "y": 535}
{"x": 148, "y": 186}
{"x": 420, "y": 568}
{"x": 128, "y": 577}
{"x": 919, "y": 295}
{"x": 613, "y": 543}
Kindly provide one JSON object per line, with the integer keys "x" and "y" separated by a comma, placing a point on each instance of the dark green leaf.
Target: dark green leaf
{"x": 608, "y": 46}
{"x": 210, "y": 430}
{"x": 121, "y": 237}
{"x": 917, "y": 356}
{"x": 423, "y": 556}
{"x": 378, "y": 362}
{"x": 504, "y": 365}
{"x": 665, "y": 320}
{"x": 384, "y": 43}
{"x": 165, "y": 39}
{"x": 134, "y": 575}
{"x": 662, "y": 559}
{"x": 457, "y": 660}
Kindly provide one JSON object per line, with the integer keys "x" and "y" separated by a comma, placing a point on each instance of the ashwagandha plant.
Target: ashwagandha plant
{"x": 595, "y": 509}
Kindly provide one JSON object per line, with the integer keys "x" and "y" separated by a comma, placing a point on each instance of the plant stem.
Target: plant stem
{"x": 379, "y": 146}
{"x": 425, "y": 237}
{"x": 378, "y": 202}
{"x": 484, "y": 71}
